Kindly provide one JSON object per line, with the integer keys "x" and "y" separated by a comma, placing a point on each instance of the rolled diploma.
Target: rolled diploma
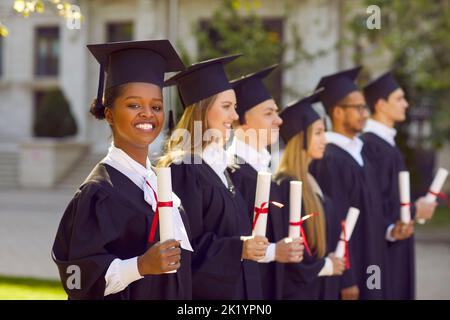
{"x": 165, "y": 213}
{"x": 295, "y": 207}
{"x": 435, "y": 187}
{"x": 262, "y": 195}
{"x": 164, "y": 195}
{"x": 405, "y": 210}
{"x": 350, "y": 222}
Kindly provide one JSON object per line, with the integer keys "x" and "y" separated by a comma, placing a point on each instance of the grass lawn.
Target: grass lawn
{"x": 30, "y": 289}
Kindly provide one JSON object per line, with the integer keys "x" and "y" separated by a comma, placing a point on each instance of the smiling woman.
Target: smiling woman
{"x": 107, "y": 242}
{"x": 136, "y": 117}
{"x": 224, "y": 265}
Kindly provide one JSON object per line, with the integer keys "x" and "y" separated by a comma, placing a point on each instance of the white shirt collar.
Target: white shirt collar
{"x": 120, "y": 160}
{"x": 215, "y": 156}
{"x": 259, "y": 160}
{"x": 352, "y": 146}
{"x": 133, "y": 170}
{"x": 383, "y": 131}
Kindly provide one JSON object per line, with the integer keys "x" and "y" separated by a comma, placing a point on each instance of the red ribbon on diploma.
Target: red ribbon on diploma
{"x": 302, "y": 231}
{"x": 346, "y": 251}
{"x": 440, "y": 195}
{"x": 406, "y": 204}
{"x": 263, "y": 209}
{"x": 159, "y": 204}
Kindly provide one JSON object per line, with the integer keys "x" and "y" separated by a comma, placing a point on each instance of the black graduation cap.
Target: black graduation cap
{"x": 298, "y": 116}
{"x": 380, "y": 88}
{"x": 336, "y": 86}
{"x": 202, "y": 80}
{"x": 134, "y": 61}
{"x": 251, "y": 91}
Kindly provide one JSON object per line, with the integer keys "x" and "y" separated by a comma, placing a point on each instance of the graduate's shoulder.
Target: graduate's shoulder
{"x": 374, "y": 144}
{"x": 282, "y": 181}
{"x": 244, "y": 171}
{"x": 99, "y": 181}
{"x": 335, "y": 155}
{"x": 188, "y": 168}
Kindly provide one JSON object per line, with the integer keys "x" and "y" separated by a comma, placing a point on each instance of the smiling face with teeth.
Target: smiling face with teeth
{"x": 222, "y": 113}
{"x": 136, "y": 118}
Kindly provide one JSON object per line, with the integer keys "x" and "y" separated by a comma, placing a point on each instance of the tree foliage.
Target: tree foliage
{"x": 53, "y": 117}
{"x": 236, "y": 27}
{"x": 417, "y": 35}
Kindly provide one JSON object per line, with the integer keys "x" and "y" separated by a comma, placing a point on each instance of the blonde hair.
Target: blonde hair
{"x": 174, "y": 148}
{"x": 294, "y": 163}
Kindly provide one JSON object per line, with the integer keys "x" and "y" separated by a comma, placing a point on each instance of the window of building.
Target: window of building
{"x": 47, "y": 50}
{"x": 119, "y": 31}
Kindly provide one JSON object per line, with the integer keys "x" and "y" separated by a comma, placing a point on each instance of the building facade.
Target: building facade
{"x": 42, "y": 53}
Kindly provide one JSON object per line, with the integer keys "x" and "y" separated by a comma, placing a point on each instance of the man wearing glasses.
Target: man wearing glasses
{"x": 347, "y": 178}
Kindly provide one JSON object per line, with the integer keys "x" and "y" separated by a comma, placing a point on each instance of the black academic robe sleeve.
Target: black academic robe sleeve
{"x": 330, "y": 289}
{"x": 245, "y": 178}
{"x": 82, "y": 239}
{"x": 387, "y": 161}
{"x": 336, "y": 182}
{"x": 217, "y": 251}
{"x": 387, "y": 178}
{"x": 301, "y": 281}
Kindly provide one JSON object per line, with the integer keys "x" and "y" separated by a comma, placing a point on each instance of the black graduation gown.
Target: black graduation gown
{"x": 108, "y": 218}
{"x": 330, "y": 286}
{"x": 301, "y": 280}
{"x": 218, "y": 219}
{"x": 388, "y": 162}
{"x": 244, "y": 178}
{"x": 348, "y": 184}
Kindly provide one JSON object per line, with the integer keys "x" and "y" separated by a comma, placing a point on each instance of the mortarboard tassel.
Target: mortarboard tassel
{"x": 171, "y": 123}
{"x": 305, "y": 139}
{"x": 101, "y": 83}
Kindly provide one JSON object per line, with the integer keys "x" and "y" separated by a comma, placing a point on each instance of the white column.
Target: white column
{"x": 73, "y": 72}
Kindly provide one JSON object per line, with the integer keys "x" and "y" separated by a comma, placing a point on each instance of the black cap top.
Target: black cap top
{"x": 134, "y": 61}
{"x": 202, "y": 80}
{"x": 251, "y": 91}
{"x": 337, "y": 86}
{"x": 298, "y": 116}
{"x": 380, "y": 88}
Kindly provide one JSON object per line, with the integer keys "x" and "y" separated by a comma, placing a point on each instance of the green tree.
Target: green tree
{"x": 53, "y": 117}
{"x": 235, "y": 27}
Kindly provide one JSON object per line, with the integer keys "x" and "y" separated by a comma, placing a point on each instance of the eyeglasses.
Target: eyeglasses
{"x": 359, "y": 107}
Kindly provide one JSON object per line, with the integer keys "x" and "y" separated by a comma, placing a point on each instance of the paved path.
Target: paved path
{"x": 29, "y": 220}
{"x": 28, "y": 224}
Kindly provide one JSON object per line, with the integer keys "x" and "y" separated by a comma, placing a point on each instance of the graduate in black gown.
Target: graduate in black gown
{"x": 224, "y": 264}
{"x": 258, "y": 128}
{"x": 350, "y": 181}
{"x": 106, "y": 246}
{"x": 388, "y": 105}
{"x": 317, "y": 276}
